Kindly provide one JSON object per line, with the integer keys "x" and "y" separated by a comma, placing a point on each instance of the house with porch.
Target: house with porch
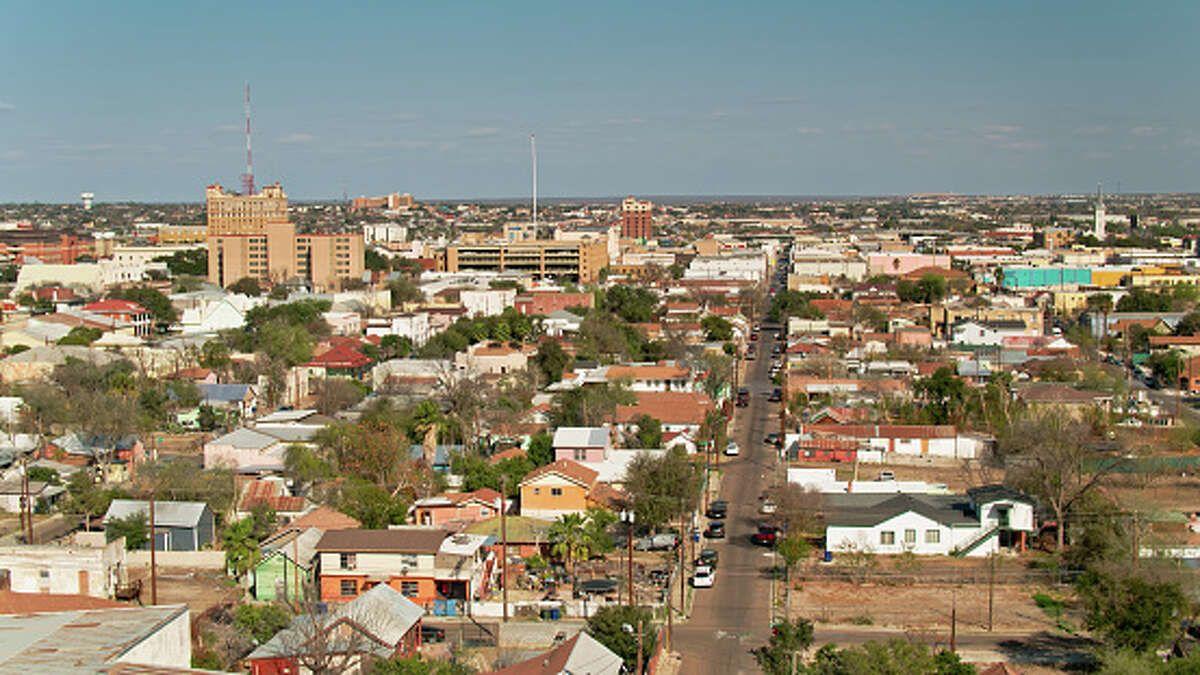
{"x": 433, "y": 568}
{"x": 983, "y": 521}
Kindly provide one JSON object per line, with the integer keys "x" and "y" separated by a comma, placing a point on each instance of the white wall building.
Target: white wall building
{"x": 95, "y": 572}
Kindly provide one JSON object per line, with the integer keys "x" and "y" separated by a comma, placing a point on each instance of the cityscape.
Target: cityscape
{"x": 796, "y": 340}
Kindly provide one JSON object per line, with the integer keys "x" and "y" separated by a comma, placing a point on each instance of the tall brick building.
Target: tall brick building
{"x": 637, "y": 219}
{"x": 251, "y": 236}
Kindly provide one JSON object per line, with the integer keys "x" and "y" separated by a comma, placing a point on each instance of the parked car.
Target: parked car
{"x": 776, "y": 395}
{"x": 887, "y": 474}
{"x": 432, "y": 634}
{"x": 708, "y": 556}
{"x": 774, "y": 439}
{"x": 703, "y": 577}
{"x": 732, "y": 449}
{"x": 768, "y": 507}
{"x": 718, "y": 509}
{"x": 765, "y": 536}
{"x": 715, "y": 530}
{"x": 660, "y": 577}
{"x": 658, "y": 542}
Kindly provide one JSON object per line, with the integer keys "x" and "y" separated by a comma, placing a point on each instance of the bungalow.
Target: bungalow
{"x": 918, "y": 440}
{"x": 91, "y": 571}
{"x": 379, "y": 624}
{"x": 582, "y": 444}
{"x": 666, "y": 376}
{"x": 562, "y": 487}
{"x": 42, "y": 495}
{"x": 118, "y": 457}
{"x": 124, "y": 312}
{"x": 456, "y": 508}
{"x": 246, "y": 450}
{"x": 988, "y": 333}
{"x": 493, "y": 358}
{"x": 429, "y": 566}
{"x": 242, "y": 399}
{"x": 581, "y": 653}
{"x": 1062, "y": 397}
{"x": 977, "y": 524}
{"x": 681, "y": 411}
{"x": 179, "y": 526}
{"x": 342, "y": 357}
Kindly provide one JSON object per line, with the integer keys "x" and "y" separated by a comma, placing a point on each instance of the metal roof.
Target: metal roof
{"x": 166, "y": 514}
{"x": 581, "y": 437}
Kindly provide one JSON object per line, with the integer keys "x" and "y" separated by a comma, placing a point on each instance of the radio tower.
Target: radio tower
{"x": 248, "y": 177}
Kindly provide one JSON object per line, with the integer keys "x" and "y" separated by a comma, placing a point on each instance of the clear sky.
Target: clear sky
{"x": 143, "y": 100}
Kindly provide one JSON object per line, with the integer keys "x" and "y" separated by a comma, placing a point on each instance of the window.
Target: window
{"x": 348, "y": 588}
{"x": 580, "y": 455}
{"x": 933, "y": 536}
{"x": 537, "y": 491}
{"x": 910, "y": 536}
{"x": 555, "y": 492}
{"x": 410, "y": 589}
{"x": 45, "y": 574}
{"x": 887, "y": 538}
{"x": 347, "y": 561}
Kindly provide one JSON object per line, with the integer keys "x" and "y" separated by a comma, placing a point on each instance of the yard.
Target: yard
{"x": 199, "y": 589}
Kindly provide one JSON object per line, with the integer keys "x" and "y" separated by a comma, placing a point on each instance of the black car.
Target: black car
{"x": 776, "y": 395}
{"x": 718, "y": 509}
{"x": 716, "y": 530}
{"x": 432, "y": 634}
{"x": 708, "y": 557}
{"x": 773, "y": 439}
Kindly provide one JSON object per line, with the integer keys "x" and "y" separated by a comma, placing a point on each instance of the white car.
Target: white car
{"x": 768, "y": 507}
{"x": 703, "y": 577}
{"x": 732, "y": 449}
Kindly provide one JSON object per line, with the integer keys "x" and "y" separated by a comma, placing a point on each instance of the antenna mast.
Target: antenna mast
{"x": 248, "y": 177}
{"x": 533, "y": 152}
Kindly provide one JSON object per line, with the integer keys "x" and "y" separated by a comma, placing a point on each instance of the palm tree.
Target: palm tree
{"x": 569, "y": 539}
{"x": 241, "y": 548}
{"x": 428, "y": 422}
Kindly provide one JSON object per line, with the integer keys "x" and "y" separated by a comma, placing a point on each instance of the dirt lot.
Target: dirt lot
{"x": 198, "y": 589}
{"x": 919, "y": 606}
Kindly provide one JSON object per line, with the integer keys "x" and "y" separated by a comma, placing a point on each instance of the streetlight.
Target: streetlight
{"x": 628, "y": 517}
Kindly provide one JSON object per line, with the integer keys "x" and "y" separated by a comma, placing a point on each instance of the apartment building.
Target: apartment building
{"x": 251, "y": 236}
{"x": 541, "y": 259}
{"x": 637, "y": 219}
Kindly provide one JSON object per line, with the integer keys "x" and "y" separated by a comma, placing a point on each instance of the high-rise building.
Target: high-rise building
{"x": 637, "y": 219}
{"x": 251, "y": 236}
{"x": 1099, "y": 228}
{"x": 87, "y": 198}
{"x": 392, "y": 202}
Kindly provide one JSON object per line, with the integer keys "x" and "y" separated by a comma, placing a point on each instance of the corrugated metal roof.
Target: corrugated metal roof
{"x": 166, "y": 514}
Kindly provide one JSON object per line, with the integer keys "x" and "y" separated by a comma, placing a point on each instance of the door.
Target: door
{"x": 84, "y": 583}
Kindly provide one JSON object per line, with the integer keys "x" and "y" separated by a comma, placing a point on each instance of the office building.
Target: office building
{"x": 392, "y": 202}
{"x": 637, "y": 219}
{"x": 541, "y": 259}
{"x": 251, "y": 236}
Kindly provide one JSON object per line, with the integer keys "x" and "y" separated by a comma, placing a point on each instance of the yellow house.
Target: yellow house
{"x": 562, "y": 487}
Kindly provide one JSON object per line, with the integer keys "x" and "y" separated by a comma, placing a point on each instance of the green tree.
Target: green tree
{"x": 634, "y": 304}
{"x": 133, "y": 527}
{"x": 246, "y": 286}
{"x": 335, "y": 394}
{"x": 649, "y": 432}
{"x": 785, "y": 304}
{"x": 944, "y": 394}
{"x": 81, "y": 335}
{"x": 616, "y": 627}
{"x": 44, "y": 474}
{"x": 192, "y": 262}
{"x": 541, "y": 449}
{"x": 1189, "y": 324}
{"x": 894, "y": 657}
{"x": 783, "y": 653}
{"x": 596, "y": 528}
{"x": 241, "y": 548}
{"x": 287, "y": 343}
{"x": 1167, "y": 366}
{"x": 420, "y": 665}
{"x": 716, "y": 328}
{"x": 929, "y": 289}
{"x": 589, "y": 406}
{"x": 371, "y": 505}
{"x": 551, "y": 359}
{"x": 260, "y": 622}
{"x": 1131, "y": 612}
{"x": 793, "y": 548}
{"x": 568, "y": 539}
{"x": 661, "y": 487}
{"x": 153, "y": 300}
{"x": 403, "y": 290}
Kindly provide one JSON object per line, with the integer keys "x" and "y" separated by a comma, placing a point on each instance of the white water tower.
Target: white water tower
{"x": 87, "y": 198}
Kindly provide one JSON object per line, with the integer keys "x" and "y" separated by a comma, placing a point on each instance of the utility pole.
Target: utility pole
{"x": 26, "y": 510}
{"x": 639, "y": 654}
{"x": 1136, "y": 552}
{"x": 954, "y": 621}
{"x": 504, "y": 545}
{"x": 153, "y": 559}
{"x": 991, "y": 587}
{"x": 682, "y": 586}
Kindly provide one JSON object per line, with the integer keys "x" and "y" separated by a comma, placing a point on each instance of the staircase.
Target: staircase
{"x": 976, "y": 541}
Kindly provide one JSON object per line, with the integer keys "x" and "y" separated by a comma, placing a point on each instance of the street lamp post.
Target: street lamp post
{"x": 628, "y": 517}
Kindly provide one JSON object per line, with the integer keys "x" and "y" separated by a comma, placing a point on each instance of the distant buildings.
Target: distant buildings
{"x": 251, "y": 236}
{"x": 637, "y": 219}
{"x": 581, "y": 261}
{"x": 392, "y": 202}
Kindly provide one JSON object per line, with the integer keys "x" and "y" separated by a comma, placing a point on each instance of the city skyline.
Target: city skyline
{"x": 145, "y": 104}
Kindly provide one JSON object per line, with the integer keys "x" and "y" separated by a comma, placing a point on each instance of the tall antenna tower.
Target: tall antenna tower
{"x": 533, "y": 152}
{"x": 248, "y": 177}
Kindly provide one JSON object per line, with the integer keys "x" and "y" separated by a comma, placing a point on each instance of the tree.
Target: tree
{"x": 44, "y": 474}
{"x": 192, "y": 262}
{"x": 419, "y": 665}
{"x": 289, "y": 344}
{"x": 371, "y": 505}
{"x": 634, "y": 304}
{"x": 81, "y": 335}
{"x": 241, "y": 548}
{"x": 944, "y": 394}
{"x": 787, "y": 304}
{"x": 1167, "y": 366}
{"x": 569, "y": 542}
{"x": 716, "y": 328}
{"x": 661, "y": 487}
{"x": 395, "y": 346}
{"x": 616, "y": 627}
{"x": 596, "y": 530}
{"x": 1131, "y": 612}
{"x": 403, "y": 290}
{"x": 335, "y": 394}
{"x": 789, "y": 640}
{"x": 589, "y": 406}
{"x": 246, "y": 286}
{"x": 153, "y": 300}
{"x": 1049, "y": 460}
{"x": 648, "y": 432}
{"x": 1189, "y": 324}
{"x": 133, "y": 527}
{"x": 260, "y": 622}
{"x": 793, "y": 548}
{"x": 541, "y": 449}
{"x": 551, "y": 359}
{"x": 929, "y": 289}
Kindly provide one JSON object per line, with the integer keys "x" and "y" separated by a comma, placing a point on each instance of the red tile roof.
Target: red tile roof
{"x": 669, "y": 407}
{"x": 115, "y": 305}
{"x": 655, "y": 372}
{"x": 340, "y": 355}
{"x": 322, "y": 518}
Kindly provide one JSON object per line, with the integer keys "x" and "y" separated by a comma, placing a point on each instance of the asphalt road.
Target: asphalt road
{"x": 733, "y": 617}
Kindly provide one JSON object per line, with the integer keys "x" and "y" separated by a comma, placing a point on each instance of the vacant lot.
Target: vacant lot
{"x": 198, "y": 589}
{"x": 922, "y": 606}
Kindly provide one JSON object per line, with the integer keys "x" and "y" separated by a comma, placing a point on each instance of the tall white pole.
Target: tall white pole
{"x": 533, "y": 151}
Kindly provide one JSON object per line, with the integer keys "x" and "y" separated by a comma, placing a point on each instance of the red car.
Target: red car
{"x": 766, "y": 535}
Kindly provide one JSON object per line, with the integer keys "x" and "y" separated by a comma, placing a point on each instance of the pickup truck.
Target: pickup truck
{"x": 657, "y": 542}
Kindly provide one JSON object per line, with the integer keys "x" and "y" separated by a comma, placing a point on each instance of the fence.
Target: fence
{"x": 208, "y": 560}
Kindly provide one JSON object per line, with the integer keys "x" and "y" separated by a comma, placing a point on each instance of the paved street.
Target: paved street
{"x": 734, "y": 617}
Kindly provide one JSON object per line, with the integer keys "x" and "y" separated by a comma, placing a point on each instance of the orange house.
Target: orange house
{"x": 563, "y": 487}
{"x": 457, "y": 508}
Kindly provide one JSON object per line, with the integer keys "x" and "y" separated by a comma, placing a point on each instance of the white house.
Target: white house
{"x": 979, "y": 523}
{"x": 490, "y": 302}
{"x": 412, "y": 325}
{"x": 64, "y": 569}
{"x": 988, "y": 333}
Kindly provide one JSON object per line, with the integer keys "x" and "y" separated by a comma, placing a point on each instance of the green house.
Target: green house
{"x": 285, "y": 567}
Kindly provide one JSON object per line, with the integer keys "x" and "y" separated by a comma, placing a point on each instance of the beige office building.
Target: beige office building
{"x": 251, "y": 236}
{"x": 580, "y": 260}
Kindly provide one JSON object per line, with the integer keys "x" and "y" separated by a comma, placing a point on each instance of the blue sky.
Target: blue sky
{"x": 142, "y": 100}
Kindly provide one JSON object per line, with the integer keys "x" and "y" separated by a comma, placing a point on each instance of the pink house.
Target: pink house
{"x": 914, "y": 336}
{"x": 582, "y": 444}
{"x": 457, "y": 508}
{"x": 896, "y": 264}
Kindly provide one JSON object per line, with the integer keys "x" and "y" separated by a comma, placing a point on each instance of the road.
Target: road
{"x": 733, "y": 617}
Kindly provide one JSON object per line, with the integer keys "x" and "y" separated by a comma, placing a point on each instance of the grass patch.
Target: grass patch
{"x": 1052, "y": 606}
{"x": 862, "y": 620}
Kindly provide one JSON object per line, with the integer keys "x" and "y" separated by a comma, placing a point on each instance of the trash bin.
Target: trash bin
{"x": 828, "y": 556}
{"x": 555, "y": 613}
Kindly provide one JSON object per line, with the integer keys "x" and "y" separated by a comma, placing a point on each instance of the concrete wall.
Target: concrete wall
{"x": 211, "y": 560}
{"x": 170, "y": 646}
